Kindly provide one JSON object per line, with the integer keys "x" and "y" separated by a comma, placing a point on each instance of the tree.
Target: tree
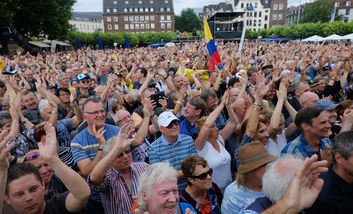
{"x": 317, "y": 11}
{"x": 38, "y": 17}
{"x": 187, "y": 21}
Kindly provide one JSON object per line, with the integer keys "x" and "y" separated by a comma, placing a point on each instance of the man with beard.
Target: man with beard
{"x": 31, "y": 112}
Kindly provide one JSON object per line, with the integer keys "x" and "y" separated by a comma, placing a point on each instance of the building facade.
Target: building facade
{"x": 138, "y": 16}
{"x": 259, "y": 14}
{"x": 292, "y": 14}
{"x": 345, "y": 9}
{"x": 86, "y": 22}
{"x": 278, "y": 12}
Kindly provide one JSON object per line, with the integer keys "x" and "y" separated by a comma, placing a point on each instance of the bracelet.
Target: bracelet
{"x": 99, "y": 149}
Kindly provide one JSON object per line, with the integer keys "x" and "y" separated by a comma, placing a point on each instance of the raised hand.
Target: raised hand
{"x": 5, "y": 148}
{"x": 99, "y": 135}
{"x": 124, "y": 138}
{"x": 261, "y": 87}
{"x": 48, "y": 150}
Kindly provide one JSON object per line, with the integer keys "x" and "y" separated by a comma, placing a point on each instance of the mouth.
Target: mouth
{"x": 31, "y": 207}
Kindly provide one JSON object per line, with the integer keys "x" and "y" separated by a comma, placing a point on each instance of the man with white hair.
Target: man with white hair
{"x": 308, "y": 99}
{"x": 158, "y": 191}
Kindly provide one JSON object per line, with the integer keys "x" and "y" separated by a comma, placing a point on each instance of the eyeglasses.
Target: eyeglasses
{"x": 96, "y": 112}
{"x": 203, "y": 176}
{"x": 126, "y": 152}
{"x": 124, "y": 118}
{"x": 172, "y": 124}
{"x": 85, "y": 81}
{"x": 31, "y": 156}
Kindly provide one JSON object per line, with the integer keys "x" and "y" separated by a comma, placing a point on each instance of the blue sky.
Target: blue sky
{"x": 96, "y": 5}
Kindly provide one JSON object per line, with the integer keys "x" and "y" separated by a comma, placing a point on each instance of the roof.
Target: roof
{"x": 39, "y": 44}
{"x": 87, "y": 16}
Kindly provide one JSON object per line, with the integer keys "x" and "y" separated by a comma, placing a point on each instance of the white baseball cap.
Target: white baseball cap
{"x": 165, "y": 118}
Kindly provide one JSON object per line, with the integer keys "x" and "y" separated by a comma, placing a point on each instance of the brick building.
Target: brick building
{"x": 138, "y": 16}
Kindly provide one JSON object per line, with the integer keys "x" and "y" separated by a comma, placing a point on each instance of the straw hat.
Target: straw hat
{"x": 252, "y": 156}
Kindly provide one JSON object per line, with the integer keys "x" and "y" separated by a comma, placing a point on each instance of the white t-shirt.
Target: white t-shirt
{"x": 276, "y": 148}
{"x": 219, "y": 162}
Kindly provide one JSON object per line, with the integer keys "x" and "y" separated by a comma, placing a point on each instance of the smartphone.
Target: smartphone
{"x": 156, "y": 97}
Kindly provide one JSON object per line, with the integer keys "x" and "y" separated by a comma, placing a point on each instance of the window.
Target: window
{"x": 348, "y": 3}
{"x": 137, "y": 26}
{"x": 162, "y": 18}
{"x": 280, "y": 6}
{"x": 140, "y": 2}
{"x": 125, "y": 10}
{"x": 151, "y": 9}
{"x": 115, "y": 18}
{"x": 142, "y": 26}
{"x": 265, "y": 26}
{"x": 162, "y": 25}
{"x": 152, "y": 18}
{"x": 115, "y": 10}
{"x": 147, "y": 18}
{"x": 161, "y": 9}
{"x": 142, "y": 18}
{"x": 132, "y": 26}
{"x": 136, "y": 18}
{"x": 169, "y": 25}
{"x": 131, "y": 10}
{"x": 242, "y": 5}
{"x": 131, "y": 18}
{"x": 109, "y": 19}
{"x": 126, "y": 26}
{"x": 166, "y": 1}
{"x": 116, "y": 27}
{"x": 136, "y": 10}
{"x": 266, "y": 1}
{"x": 108, "y": 10}
{"x": 280, "y": 16}
{"x": 274, "y": 17}
{"x": 109, "y": 27}
{"x": 255, "y": 4}
{"x": 151, "y": 2}
{"x": 141, "y": 10}
{"x": 126, "y": 18}
{"x": 169, "y": 18}
{"x": 126, "y": 2}
{"x": 147, "y": 26}
{"x": 255, "y": 14}
{"x": 266, "y": 17}
{"x": 275, "y": 6}
{"x": 152, "y": 25}
{"x": 260, "y": 14}
{"x": 146, "y": 9}
{"x": 115, "y": 2}
{"x": 168, "y": 9}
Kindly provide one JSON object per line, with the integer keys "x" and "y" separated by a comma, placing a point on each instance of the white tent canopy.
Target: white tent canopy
{"x": 349, "y": 36}
{"x": 314, "y": 38}
{"x": 333, "y": 37}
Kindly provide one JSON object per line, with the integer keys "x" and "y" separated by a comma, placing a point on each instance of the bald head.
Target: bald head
{"x": 308, "y": 99}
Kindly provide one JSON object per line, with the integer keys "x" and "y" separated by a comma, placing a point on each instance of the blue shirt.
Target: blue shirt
{"x": 300, "y": 147}
{"x": 161, "y": 150}
{"x": 85, "y": 146}
{"x": 188, "y": 129}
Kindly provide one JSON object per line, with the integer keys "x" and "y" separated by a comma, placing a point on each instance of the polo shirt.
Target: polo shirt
{"x": 336, "y": 195}
{"x": 161, "y": 150}
{"x": 300, "y": 148}
{"x": 188, "y": 129}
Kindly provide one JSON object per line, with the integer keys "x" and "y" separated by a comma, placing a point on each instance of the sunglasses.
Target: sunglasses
{"x": 203, "y": 176}
{"x": 172, "y": 124}
{"x": 31, "y": 156}
{"x": 126, "y": 152}
{"x": 85, "y": 81}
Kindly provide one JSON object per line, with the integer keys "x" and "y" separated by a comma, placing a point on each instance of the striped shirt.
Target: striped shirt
{"x": 85, "y": 146}
{"x": 300, "y": 147}
{"x": 115, "y": 197}
{"x": 161, "y": 150}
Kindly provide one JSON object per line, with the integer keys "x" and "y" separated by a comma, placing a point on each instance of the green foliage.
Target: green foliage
{"x": 317, "y": 11}
{"x": 38, "y": 17}
{"x": 187, "y": 21}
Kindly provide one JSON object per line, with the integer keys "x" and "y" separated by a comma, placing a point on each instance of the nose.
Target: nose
{"x": 173, "y": 197}
{"x": 28, "y": 197}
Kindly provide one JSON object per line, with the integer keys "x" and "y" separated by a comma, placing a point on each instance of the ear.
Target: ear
{"x": 190, "y": 180}
{"x": 305, "y": 126}
{"x": 7, "y": 199}
{"x": 144, "y": 196}
{"x": 338, "y": 158}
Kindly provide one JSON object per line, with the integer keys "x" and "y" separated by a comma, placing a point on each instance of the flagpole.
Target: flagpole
{"x": 242, "y": 35}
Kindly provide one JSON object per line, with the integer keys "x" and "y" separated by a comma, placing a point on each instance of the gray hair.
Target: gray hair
{"x": 343, "y": 145}
{"x": 42, "y": 104}
{"x": 278, "y": 175}
{"x": 91, "y": 99}
{"x": 156, "y": 173}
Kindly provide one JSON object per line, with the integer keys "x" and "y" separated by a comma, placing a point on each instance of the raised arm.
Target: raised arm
{"x": 143, "y": 129}
{"x": 121, "y": 143}
{"x": 282, "y": 96}
{"x": 76, "y": 185}
{"x": 209, "y": 122}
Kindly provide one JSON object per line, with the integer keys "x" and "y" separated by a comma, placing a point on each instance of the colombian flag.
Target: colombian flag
{"x": 215, "y": 60}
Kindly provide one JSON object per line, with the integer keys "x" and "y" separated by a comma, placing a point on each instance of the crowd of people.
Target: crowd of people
{"x": 155, "y": 131}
